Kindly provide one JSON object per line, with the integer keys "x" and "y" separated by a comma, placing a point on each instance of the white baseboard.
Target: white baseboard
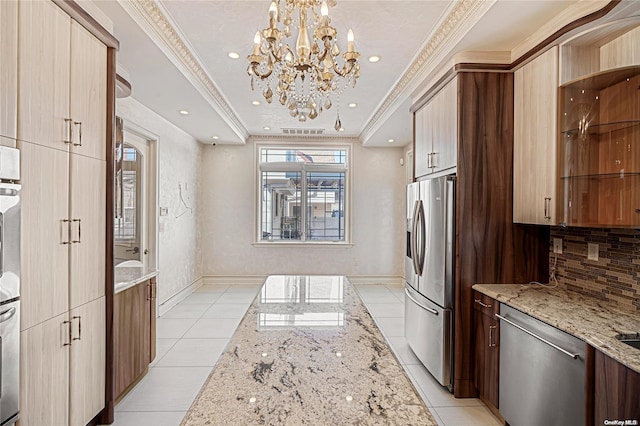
{"x": 233, "y": 279}
{"x": 376, "y": 279}
{"x": 165, "y": 306}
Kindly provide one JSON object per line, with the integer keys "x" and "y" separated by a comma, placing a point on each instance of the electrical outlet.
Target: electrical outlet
{"x": 557, "y": 245}
{"x": 592, "y": 251}
{"x": 164, "y": 211}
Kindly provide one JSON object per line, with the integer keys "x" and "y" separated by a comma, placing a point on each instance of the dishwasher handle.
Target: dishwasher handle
{"x": 543, "y": 340}
{"x": 426, "y": 308}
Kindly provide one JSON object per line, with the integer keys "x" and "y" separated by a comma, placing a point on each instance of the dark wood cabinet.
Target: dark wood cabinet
{"x": 134, "y": 335}
{"x": 617, "y": 390}
{"x": 487, "y": 350}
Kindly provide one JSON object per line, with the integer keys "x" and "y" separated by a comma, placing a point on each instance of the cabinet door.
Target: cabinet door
{"x": 44, "y": 373}
{"x": 87, "y": 371}
{"x": 616, "y": 390}
{"x": 423, "y": 140}
{"x": 88, "y": 180}
{"x": 43, "y": 57}
{"x": 131, "y": 319}
{"x": 88, "y": 93}
{"x": 45, "y": 234}
{"x": 445, "y": 123}
{"x": 487, "y": 361}
{"x": 535, "y": 140}
{"x": 8, "y": 67}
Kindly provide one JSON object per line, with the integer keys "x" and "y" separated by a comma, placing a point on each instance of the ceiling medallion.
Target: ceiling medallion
{"x": 307, "y": 78}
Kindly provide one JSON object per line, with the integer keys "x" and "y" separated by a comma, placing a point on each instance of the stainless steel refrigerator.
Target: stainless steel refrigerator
{"x": 429, "y": 274}
{"x": 9, "y": 284}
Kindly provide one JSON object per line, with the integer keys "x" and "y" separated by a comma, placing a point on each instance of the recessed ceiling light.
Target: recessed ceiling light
{"x": 353, "y": 105}
{"x": 215, "y": 138}
{"x": 255, "y": 103}
{"x": 234, "y": 55}
{"x": 267, "y": 128}
{"x": 374, "y": 58}
{"x": 391, "y": 140}
{"x": 184, "y": 112}
{"x": 341, "y": 129}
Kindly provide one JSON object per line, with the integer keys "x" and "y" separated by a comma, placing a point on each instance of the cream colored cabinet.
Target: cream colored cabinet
{"x": 45, "y": 237}
{"x": 62, "y": 81}
{"x": 61, "y": 134}
{"x": 87, "y": 381}
{"x": 44, "y": 373}
{"x": 436, "y": 132}
{"x": 535, "y": 136}
{"x": 8, "y": 67}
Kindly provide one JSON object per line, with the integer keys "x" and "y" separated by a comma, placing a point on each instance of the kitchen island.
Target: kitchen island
{"x": 308, "y": 352}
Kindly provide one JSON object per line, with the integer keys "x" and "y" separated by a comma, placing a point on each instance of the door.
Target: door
{"x": 44, "y": 378}
{"x": 87, "y": 368}
{"x": 409, "y": 268}
{"x": 44, "y": 238}
{"x": 44, "y": 61}
{"x": 88, "y": 177}
{"x": 445, "y": 122}
{"x": 423, "y": 135}
{"x": 10, "y": 352}
{"x": 432, "y": 279}
{"x": 8, "y": 67}
{"x": 131, "y": 235}
{"x": 88, "y": 93}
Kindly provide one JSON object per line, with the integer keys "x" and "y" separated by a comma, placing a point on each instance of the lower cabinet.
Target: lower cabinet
{"x": 62, "y": 368}
{"x": 616, "y": 391}
{"x": 134, "y": 320}
{"x": 487, "y": 350}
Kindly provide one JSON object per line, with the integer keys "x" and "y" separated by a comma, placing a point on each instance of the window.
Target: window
{"x": 303, "y": 194}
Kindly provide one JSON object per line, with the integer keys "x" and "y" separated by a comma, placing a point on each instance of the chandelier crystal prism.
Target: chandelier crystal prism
{"x": 307, "y": 78}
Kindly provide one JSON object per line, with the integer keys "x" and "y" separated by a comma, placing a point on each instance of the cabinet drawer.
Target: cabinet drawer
{"x": 485, "y": 304}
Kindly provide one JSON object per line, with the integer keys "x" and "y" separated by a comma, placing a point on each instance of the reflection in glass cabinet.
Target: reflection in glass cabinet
{"x": 599, "y": 149}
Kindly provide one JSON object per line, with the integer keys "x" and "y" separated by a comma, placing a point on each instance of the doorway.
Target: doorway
{"x": 135, "y": 200}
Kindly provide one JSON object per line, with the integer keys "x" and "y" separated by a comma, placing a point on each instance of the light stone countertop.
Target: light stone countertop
{"x": 595, "y": 321}
{"x": 308, "y": 353}
{"x": 126, "y": 277}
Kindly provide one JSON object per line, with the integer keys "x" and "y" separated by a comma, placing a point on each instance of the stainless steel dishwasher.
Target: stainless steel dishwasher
{"x": 542, "y": 372}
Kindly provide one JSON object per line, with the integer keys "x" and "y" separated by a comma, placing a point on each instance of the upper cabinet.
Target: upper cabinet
{"x": 599, "y": 135}
{"x": 63, "y": 82}
{"x": 534, "y": 145}
{"x": 436, "y": 132}
{"x": 8, "y": 67}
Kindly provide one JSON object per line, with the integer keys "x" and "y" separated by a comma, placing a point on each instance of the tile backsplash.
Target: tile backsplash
{"x": 614, "y": 277}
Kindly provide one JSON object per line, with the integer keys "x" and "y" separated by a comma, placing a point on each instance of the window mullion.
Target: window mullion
{"x": 303, "y": 206}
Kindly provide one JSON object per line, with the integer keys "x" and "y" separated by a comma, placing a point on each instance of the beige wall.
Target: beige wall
{"x": 228, "y": 225}
{"x": 179, "y": 260}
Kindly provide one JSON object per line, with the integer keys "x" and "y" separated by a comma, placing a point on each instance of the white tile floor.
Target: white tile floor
{"x": 193, "y": 334}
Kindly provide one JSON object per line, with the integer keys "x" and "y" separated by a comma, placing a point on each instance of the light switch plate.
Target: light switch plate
{"x": 592, "y": 251}
{"x": 557, "y": 245}
{"x": 164, "y": 211}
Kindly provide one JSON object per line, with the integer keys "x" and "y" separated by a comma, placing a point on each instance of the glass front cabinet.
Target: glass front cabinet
{"x": 599, "y": 128}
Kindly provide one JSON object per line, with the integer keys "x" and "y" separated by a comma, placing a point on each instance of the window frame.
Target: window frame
{"x": 303, "y": 168}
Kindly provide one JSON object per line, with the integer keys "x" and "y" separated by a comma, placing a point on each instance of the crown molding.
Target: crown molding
{"x": 461, "y": 17}
{"x": 156, "y": 22}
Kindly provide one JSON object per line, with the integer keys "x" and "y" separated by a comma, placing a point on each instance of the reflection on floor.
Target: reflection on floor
{"x": 194, "y": 333}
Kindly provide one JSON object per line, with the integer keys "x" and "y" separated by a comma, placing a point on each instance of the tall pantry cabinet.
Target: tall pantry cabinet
{"x": 62, "y": 119}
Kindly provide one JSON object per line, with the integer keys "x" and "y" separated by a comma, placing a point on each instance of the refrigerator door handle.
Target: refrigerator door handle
{"x": 414, "y": 229}
{"x": 6, "y": 315}
{"x": 426, "y": 308}
{"x": 1, "y": 244}
{"x": 420, "y": 251}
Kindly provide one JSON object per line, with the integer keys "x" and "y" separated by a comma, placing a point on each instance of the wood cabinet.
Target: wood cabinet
{"x": 62, "y": 136}
{"x": 436, "y": 136}
{"x": 487, "y": 350}
{"x": 616, "y": 390}
{"x": 134, "y": 334}
{"x": 534, "y": 140}
{"x": 8, "y": 68}
{"x": 483, "y": 132}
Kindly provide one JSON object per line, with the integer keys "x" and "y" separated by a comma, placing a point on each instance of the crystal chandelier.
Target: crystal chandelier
{"x": 308, "y": 78}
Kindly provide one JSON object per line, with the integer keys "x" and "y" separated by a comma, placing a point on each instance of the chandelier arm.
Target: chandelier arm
{"x": 256, "y": 72}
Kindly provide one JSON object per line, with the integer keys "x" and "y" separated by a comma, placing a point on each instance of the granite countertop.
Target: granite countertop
{"x": 595, "y": 321}
{"x": 308, "y": 353}
{"x": 126, "y": 277}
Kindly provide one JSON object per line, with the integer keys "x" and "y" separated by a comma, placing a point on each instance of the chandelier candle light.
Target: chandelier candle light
{"x": 307, "y": 78}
